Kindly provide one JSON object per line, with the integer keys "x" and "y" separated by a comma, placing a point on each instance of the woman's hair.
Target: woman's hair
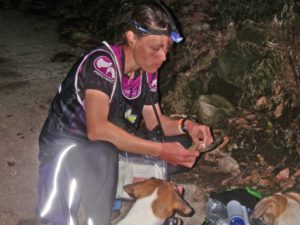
{"x": 148, "y": 16}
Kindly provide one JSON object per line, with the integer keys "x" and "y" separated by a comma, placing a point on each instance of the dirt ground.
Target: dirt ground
{"x": 28, "y": 82}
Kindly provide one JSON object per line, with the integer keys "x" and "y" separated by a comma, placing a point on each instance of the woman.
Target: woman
{"x": 96, "y": 113}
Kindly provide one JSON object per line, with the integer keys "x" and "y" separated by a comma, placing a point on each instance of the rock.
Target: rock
{"x": 214, "y": 110}
{"x": 195, "y": 196}
{"x": 229, "y": 165}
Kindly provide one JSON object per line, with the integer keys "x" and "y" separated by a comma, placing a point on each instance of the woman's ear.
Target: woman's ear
{"x": 131, "y": 38}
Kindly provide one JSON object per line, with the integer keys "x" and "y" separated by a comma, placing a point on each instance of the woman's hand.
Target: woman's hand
{"x": 175, "y": 154}
{"x": 200, "y": 134}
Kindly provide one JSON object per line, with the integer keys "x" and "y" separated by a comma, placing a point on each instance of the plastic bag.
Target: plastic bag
{"x": 134, "y": 168}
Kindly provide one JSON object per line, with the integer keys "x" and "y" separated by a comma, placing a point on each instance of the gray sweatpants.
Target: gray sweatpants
{"x": 83, "y": 172}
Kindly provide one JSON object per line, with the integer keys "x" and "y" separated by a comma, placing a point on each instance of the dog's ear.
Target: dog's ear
{"x": 293, "y": 195}
{"x": 143, "y": 188}
{"x": 270, "y": 208}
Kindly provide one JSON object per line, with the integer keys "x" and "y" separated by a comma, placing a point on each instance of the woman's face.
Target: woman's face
{"x": 150, "y": 51}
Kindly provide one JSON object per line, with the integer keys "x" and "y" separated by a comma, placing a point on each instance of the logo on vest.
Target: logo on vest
{"x": 130, "y": 117}
{"x": 105, "y": 68}
{"x": 153, "y": 86}
{"x": 152, "y": 82}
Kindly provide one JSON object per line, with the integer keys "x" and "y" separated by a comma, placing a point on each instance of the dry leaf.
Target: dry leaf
{"x": 287, "y": 184}
{"x": 261, "y": 102}
{"x": 240, "y": 121}
{"x": 279, "y": 109}
{"x": 277, "y": 88}
{"x": 261, "y": 159}
{"x": 283, "y": 175}
{"x": 253, "y": 178}
{"x": 296, "y": 174}
{"x": 250, "y": 117}
{"x": 246, "y": 180}
{"x": 217, "y": 153}
{"x": 264, "y": 183}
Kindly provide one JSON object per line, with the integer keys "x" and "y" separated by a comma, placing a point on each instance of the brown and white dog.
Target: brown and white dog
{"x": 156, "y": 200}
{"x": 279, "y": 209}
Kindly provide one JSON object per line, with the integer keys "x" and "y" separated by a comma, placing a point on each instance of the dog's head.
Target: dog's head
{"x": 272, "y": 209}
{"x": 168, "y": 198}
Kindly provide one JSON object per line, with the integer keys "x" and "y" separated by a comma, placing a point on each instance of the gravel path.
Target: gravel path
{"x": 28, "y": 82}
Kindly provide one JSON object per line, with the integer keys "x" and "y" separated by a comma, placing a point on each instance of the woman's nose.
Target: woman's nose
{"x": 163, "y": 54}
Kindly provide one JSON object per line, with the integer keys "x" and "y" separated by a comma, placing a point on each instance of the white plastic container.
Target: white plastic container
{"x": 235, "y": 213}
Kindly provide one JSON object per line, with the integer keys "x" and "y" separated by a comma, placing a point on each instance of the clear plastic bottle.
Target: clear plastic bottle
{"x": 216, "y": 212}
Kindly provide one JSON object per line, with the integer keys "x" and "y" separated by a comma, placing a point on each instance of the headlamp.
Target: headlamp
{"x": 173, "y": 32}
{"x": 175, "y": 35}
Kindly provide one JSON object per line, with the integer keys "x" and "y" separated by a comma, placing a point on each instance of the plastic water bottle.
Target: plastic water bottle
{"x": 246, "y": 216}
{"x": 235, "y": 213}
